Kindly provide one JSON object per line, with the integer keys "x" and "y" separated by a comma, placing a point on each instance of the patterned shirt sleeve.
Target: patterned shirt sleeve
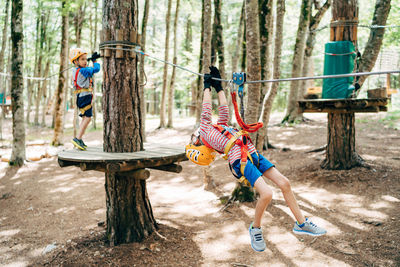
{"x": 223, "y": 115}
{"x": 205, "y": 119}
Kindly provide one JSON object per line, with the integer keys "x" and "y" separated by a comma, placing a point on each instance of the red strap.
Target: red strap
{"x": 76, "y": 77}
{"x": 251, "y": 128}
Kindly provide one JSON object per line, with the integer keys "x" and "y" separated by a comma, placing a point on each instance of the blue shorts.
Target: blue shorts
{"x": 84, "y": 101}
{"x": 253, "y": 171}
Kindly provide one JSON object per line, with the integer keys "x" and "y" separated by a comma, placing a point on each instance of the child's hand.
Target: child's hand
{"x": 94, "y": 56}
{"x": 214, "y": 83}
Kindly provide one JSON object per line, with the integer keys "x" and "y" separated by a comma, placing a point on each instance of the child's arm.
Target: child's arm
{"x": 223, "y": 110}
{"x": 205, "y": 117}
{"x": 89, "y": 71}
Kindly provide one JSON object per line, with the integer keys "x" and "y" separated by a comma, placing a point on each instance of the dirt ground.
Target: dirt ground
{"x": 52, "y": 216}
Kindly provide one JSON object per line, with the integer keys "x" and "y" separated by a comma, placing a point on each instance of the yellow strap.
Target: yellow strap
{"x": 83, "y": 90}
{"x": 82, "y": 110}
{"x": 231, "y": 142}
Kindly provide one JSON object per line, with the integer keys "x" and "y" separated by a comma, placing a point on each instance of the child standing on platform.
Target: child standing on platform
{"x": 83, "y": 84}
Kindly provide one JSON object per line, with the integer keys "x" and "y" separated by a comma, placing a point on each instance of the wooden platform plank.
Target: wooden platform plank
{"x": 152, "y": 152}
{"x": 348, "y": 105}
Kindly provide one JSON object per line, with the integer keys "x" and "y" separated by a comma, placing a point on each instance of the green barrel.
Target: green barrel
{"x": 339, "y": 59}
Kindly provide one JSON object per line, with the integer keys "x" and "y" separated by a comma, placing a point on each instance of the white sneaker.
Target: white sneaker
{"x": 309, "y": 228}
{"x": 257, "y": 239}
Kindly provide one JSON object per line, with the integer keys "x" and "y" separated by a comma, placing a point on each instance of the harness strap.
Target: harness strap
{"x": 80, "y": 89}
{"x": 82, "y": 110}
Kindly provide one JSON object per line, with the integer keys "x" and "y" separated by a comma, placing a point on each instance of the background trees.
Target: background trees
{"x": 227, "y": 34}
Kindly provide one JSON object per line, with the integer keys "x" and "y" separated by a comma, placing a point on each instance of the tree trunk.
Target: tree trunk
{"x": 79, "y": 18}
{"x": 340, "y": 152}
{"x": 3, "y": 79}
{"x": 309, "y": 46}
{"x": 217, "y": 42}
{"x": 206, "y": 62}
{"x": 165, "y": 75}
{"x": 44, "y": 18}
{"x": 371, "y": 51}
{"x": 297, "y": 65}
{"x": 59, "y": 95}
{"x": 172, "y": 82}
{"x": 44, "y": 94}
{"x": 129, "y": 214}
{"x": 17, "y": 89}
{"x": 269, "y": 98}
{"x": 141, "y": 64}
{"x": 253, "y": 62}
{"x": 266, "y": 35}
{"x": 239, "y": 41}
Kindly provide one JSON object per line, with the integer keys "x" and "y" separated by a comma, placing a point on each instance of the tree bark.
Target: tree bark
{"x": 340, "y": 152}
{"x": 44, "y": 18}
{"x": 371, "y": 51}
{"x": 217, "y": 42}
{"x": 310, "y": 42}
{"x": 141, "y": 64}
{"x": 79, "y": 18}
{"x": 172, "y": 82}
{"x": 17, "y": 89}
{"x": 3, "y": 79}
{"x": 165, "y": 75}
{"x": 253, "y": 62}
{"x": 266, "y": 35}
{"x": 59, "y": 95}
{"x": 269, "y": 97}
{"x": 206, "y": 62}
{"x": 129, "y": 214}
{"x": 298, "y": 56}
{"x": 205, "y": 53}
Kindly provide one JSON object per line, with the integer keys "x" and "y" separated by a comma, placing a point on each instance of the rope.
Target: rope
{"x": 37, "y": 78}
{"x": 360, "y": 26}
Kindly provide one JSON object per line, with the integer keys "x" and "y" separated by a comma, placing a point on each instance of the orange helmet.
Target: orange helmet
{"x": 201, "y": 155}
{"x": 75, "y": 53}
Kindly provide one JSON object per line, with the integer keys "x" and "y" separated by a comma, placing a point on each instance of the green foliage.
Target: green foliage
{"x": 243, "y": 194}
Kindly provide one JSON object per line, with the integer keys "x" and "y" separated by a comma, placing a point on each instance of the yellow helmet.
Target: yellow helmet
{"x": 201, "y": 155}
{"x": 75, "y": 53}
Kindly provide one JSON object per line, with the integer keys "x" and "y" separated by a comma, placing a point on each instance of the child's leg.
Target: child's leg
{"x": 82, "y": 127}
{"x": 283, "y": 183}
{"x": 265, "y": 198}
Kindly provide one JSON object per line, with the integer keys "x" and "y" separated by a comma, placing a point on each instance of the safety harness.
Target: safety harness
{"x": 234, "y": 138}
{"x": 79, "y": 90}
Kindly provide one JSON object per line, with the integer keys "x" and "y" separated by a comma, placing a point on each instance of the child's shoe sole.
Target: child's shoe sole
{"x": 77, "y": 145}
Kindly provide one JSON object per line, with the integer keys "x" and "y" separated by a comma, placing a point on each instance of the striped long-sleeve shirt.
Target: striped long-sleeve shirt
{"x": 214, "y": 138}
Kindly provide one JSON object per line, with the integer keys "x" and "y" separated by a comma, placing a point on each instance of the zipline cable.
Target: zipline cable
{"x": 260, "y": 81}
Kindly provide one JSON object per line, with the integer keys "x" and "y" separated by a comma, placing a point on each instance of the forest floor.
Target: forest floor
{"x": 52, "y": 216}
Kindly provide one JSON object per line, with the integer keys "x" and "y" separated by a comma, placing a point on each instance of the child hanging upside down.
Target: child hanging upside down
{"x": 245, "y": 162}
{"x": 83, "y": 84}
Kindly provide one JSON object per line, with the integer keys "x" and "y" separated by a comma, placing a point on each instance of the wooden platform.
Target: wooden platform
{"x": 162, "y": 157}
{"x": 347, "y": 105}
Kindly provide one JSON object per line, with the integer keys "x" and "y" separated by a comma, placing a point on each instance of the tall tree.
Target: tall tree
{"x": 269, "y": 97}
{"x": 266, "y": 35}
{"x": 217, "y": 41}
{"x": 79, "y": 18}
{"x": 205, "y": 53}
{"x": 171, "y": 93}
{"x": 297, "y": 63}
{"x": 165, "y": 74}
{"x": 310, "y": 42}
{"x": 62, "y": 80}
{"x": 44, "y": 19}
{"x": 206, "y": 62}
{"x": 129, "y": 214}
{"x": 371, "y": 51}
{"x": 141, "y": 64}
{"x": 3, "y": 47}
{"x": 253, "y": 61}
{"x": 341, "y": 148}
{"x": 17, "y": 36}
